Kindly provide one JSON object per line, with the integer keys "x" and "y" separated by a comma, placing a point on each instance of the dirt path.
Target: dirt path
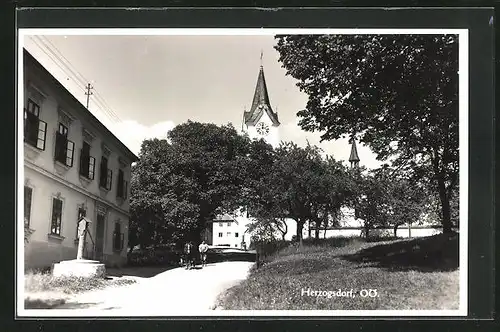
{"x": 173, "y": 292}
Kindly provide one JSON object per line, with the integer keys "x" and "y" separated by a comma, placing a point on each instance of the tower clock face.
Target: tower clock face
{"x": 262, "y": 128}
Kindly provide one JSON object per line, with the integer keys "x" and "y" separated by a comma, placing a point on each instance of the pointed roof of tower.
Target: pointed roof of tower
{"x": 260, "y": 103}
{"x": 354, "y": 151}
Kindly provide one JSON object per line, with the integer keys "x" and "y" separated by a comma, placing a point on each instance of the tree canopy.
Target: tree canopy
{"x": 397, "y": 93}
{"x": 178, "y": 186}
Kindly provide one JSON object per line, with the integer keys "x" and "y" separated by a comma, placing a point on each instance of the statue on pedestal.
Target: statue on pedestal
{"x": 82, "y": 232}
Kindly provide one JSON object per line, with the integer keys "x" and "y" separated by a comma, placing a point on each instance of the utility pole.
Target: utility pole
{"x": 88, "y": 93}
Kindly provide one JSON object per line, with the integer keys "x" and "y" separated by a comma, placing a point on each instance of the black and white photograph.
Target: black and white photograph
{"x": 242, "y": 172}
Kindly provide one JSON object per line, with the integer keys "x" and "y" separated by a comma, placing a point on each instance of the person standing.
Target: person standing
{"x": 203, "y": 248}
{"x": 188, "y": 254}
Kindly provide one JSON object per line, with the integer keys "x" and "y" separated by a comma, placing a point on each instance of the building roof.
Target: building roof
{"x": 225, "y": 217}
{"x": 260, "y": 103}
{"x": 79, "y": 107}
{"x": 354, "y": 151}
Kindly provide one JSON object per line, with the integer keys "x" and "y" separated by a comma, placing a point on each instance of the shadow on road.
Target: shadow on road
{"x": 138, "y": 271}
{"x": 149, "y": 271}
{"x": 429, "y": 254}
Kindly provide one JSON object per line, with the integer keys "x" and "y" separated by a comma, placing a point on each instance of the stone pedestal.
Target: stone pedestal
{"x": 83, "y": 268}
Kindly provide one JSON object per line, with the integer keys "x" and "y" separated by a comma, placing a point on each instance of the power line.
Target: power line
{"x": 100, "y": 100}
{"x": 51, "y": 58}
{"x": 74, "y": 73}
{"x": 80, "y": 80}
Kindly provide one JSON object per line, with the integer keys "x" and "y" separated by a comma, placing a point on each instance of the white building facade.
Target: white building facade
{"x": 73, "y": 166}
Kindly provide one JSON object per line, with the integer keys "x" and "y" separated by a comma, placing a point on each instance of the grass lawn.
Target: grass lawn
{"x": 43, "y": 291}
{"x": 406, "y": 274}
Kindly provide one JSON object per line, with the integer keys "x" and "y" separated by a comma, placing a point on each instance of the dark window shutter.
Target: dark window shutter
{"x": 104, "y": 172}
{"x": 109, "y": 179}
{"x": 85, "y": 160}
{"x": 61, "y": 147}
{"x": 119, "y": 189}
{"x": 31, "y": 128}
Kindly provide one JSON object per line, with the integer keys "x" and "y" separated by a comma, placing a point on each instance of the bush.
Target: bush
{"x": 266, "y": 249}
{"x": 154, "y": 256}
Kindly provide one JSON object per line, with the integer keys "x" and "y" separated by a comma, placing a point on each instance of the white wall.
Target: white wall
{"x": 272, "y": 138}
{"x": 49, "y": 106}
{"x": 49, "y": 178}
{"x": 228, "y": 226}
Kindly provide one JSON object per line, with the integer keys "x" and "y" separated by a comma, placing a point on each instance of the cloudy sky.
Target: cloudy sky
{"x": 145, "y": 85}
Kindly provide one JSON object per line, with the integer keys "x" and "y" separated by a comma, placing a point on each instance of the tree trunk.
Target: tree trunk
{"x": 396, "y": 230}
{"x": 300, "y": 225}
{"x": 326, "y": 226}
{"x": 309, "y": 229}
{"x": 367, "y": 230}
{"x": 443, "y": 195}
{"x": 316, "y": 230}
{"x": 445, "y": 205}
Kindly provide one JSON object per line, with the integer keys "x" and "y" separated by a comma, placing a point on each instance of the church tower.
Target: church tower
{"x": 261, "y": 121}
{"x": 354, "y": 158}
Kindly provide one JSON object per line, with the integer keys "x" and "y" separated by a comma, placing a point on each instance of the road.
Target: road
{"x": 174, "y": 292}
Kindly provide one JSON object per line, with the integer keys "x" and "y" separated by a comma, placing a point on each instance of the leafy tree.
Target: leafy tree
{"x": 409, "y": 200}
{"x": 266, "y": 230}
{"x": 398, "y": 93}
{"x": 374, "y": 203}
{"x": 334, "y": 190}
{"x": 296, "y": 179}
{"x": 146, "y": 211}
{"x": 178, "y": 187}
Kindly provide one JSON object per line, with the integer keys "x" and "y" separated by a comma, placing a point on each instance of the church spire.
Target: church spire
{"x": 260, "y": 101}
{"x": 260, "y": 97}
{"x": 354, "y": 158}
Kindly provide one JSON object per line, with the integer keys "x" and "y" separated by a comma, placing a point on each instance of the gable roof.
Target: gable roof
{"x": 260, "y": 103}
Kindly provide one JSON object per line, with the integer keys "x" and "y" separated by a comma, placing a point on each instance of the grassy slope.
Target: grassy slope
{"x": 407, "y": 274}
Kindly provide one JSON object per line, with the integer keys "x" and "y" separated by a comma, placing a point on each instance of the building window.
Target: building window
{"x": 121, "y": 190}
{"x": 221, "y": 224}
{"x": 228, "y": 224}
{"x": 117, "y": 238}
{"x": 28, "y": 194}
{"x": 34, "y": 128}
{"x": 87, "y": 162}
{"x": 33, "y": 108}
{"x": 220, "y": 234}
{"x": 64, "y": 147}
{"x": 228, "y": 233}
{"x": 56, "y": 216}
{"x": 236, "y": 234}
{"x": 81, "y": 213}
{"x": 106, "y": 176}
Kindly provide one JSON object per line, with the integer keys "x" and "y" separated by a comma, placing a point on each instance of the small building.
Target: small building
{"x": 228, "y": 231}
{"x": 73, "y": 167}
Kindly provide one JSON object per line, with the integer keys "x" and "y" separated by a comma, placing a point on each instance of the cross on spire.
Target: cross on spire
{"x": 261, "y": 55}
